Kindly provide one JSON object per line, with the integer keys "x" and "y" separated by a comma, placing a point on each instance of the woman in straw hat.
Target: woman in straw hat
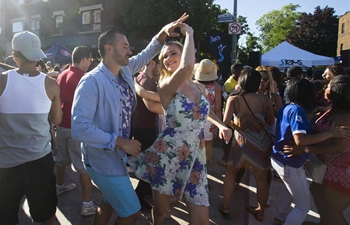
{"x": 206, "y": 73}
{"x": 175, "y": 164}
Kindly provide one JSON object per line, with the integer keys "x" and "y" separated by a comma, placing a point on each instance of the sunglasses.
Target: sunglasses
{"x": 265, "y": 79}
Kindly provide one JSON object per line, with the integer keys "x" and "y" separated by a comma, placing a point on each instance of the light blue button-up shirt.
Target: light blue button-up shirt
{"x": 97, "y": 113}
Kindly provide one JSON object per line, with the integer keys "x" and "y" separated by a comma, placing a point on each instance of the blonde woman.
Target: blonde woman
{"x": 175, "y": 165}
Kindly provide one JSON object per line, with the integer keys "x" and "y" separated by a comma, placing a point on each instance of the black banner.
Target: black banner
{"x": 218, "y": 45}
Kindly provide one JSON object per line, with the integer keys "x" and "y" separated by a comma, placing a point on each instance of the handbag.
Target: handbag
{"x": 316, "y": 169}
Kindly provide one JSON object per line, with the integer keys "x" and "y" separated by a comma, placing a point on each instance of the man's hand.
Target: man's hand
{"x": 341, "y": 131}
{"x": 185, "y": 29}
{"x": 168, "y": 30}
{"x": 292, "y": 150}
{"x": 132, "y": 147}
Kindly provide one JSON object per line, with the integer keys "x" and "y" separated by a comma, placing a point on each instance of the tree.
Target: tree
{"x": 203, "y": 17}
{"x": 151, "y": 15}
{"x": 252, "y": 44}
{"x": 276, "y": 25}
{"x": 317, "y": 32}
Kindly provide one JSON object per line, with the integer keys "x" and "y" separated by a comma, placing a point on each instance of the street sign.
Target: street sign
{"x": 225, "y": 18}
{"x": 234, "y": 28}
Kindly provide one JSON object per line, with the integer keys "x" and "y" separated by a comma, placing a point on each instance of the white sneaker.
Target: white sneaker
{"x": 65, "y": 188}
{"x": 88, "y": 211}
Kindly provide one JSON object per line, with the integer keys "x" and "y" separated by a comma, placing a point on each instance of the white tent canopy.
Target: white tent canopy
{"x": 287, "y": 55}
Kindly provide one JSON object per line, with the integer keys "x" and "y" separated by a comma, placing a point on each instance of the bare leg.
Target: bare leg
{"x": 229, "y": 185}
{"x": 199, "y": 215}
{"x": 262, "y": 189}
{"x": 85, "y": 182}
{"x": 208, "y": 150}
{"x": 130, "y": 220}
{"x": 60, "y": 172}
{"x": 161, "y": 207}
{"x": 336, "y": 203}
{"x": 318, "y": 193}
{"x": 103, "y": 214}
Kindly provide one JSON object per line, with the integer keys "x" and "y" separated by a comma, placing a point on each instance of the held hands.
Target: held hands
{"x": 225, "y": 133}
{"x": 292, "y": 150}
{"x": 169, "y": 28}
{"x": 186, "y": 29}
{"x": 132, "y": 147}
{"x": 342, "y": 131}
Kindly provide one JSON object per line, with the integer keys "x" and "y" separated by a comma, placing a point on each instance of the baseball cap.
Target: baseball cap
{"x": 294, "y": 71}
{"x": 29, "y": 45}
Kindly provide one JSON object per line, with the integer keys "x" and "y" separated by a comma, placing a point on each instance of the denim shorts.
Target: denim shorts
{"x": 117, "y": 191}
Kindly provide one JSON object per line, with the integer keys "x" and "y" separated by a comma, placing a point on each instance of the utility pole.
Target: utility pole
{"x": 234, "y": 36}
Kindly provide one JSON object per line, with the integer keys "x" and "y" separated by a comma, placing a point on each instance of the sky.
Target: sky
{"x": 254, "y": 9}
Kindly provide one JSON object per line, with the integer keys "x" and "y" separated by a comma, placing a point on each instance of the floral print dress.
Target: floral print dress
{"x": 338, "y": 171}
{"x": 175, "y": 164}
{"x": 210, "y": 94}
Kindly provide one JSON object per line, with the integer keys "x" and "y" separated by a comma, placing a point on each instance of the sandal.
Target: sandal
{"x": 259, "y": 216}
{"x": 223, "y": 163}
{"x": 224, "y": 211}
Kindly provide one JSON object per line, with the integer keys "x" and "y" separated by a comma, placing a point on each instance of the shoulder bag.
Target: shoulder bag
{"x": 316, "y": 169}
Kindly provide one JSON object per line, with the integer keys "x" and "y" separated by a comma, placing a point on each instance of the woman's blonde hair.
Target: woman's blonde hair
{"x": 269, "y": 75}
{"x": 164, "y": 73}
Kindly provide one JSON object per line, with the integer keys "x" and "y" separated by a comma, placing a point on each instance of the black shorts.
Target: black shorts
{"x": 35, "y": 180}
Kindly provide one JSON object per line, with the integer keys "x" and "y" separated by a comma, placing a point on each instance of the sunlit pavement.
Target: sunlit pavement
{"x": 68, "y": 209}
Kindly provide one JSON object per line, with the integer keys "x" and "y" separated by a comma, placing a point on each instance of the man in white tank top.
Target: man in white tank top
{"x": 28, "y": 99}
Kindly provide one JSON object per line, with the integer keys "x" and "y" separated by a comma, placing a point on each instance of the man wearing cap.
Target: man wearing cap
{"x": 27, "y": 99}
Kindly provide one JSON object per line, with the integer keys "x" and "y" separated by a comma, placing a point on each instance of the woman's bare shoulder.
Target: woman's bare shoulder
{"x": 342, "y": 118}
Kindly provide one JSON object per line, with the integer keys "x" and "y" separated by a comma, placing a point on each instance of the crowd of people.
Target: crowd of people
{"x": 157, "y": 114}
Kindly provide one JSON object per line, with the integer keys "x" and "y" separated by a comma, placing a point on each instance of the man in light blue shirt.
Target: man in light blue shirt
{"x": 101, "y": 116}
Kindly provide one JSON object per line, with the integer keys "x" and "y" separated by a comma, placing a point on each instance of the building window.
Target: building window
{"x": 91, "y": 17}
{"x": 91, "y": 20}
{"x": 342, "y": 28}
{"x": 17, "y": 26}
{"x": 58, "y": 19}
{"x": 35, "y": 24}
{"x": 59, "y": 24}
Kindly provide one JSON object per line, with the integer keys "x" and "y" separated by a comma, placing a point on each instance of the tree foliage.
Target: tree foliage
{"x": 276, "y": 25}
{"x": 252, "y": 44}
{"x": 145, "y": 20}
{"x": 317, "y": 32}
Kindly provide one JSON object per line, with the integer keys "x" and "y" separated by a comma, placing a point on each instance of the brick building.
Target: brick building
{"x": 343, "y": 33}
{"x": 69, "y": 22}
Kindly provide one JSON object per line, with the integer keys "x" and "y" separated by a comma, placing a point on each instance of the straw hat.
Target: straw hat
{"x": 206, "y": 71}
